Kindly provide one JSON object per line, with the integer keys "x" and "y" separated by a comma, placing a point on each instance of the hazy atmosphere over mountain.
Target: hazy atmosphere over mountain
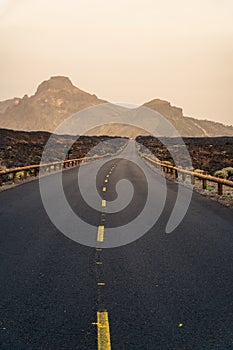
{"x": 57, "y": 98}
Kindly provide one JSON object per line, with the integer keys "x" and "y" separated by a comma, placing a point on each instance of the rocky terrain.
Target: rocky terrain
{"x": 209, "y": 154}
{"x": 19, "y": 148}
{"x": 57, "y": 98}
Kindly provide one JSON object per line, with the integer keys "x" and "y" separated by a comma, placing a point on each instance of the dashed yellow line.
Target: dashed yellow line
{"x": 101, "y": 284}
{"x": 104, "y": 189}
{"x": 100, "y": 235}
{"x": 104, "y": 339}
{"x": 107, "y": 175}
{"x": 106, "y": 180}
{"x": 104, "y": 203}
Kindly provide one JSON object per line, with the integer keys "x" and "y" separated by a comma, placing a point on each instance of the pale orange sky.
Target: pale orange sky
{"x": 123, "y": 51}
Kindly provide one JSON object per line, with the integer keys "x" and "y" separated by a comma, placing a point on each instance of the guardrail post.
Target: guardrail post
{"x": 14, "y": 178}
{"x": 25, "y": 174}
{"x": 192, "y": 179}
{"x": 220, "y": 189}
{"x": 204, "y": 184}
{"x": 0, "y": 180}
{"x": 176, "y": 173}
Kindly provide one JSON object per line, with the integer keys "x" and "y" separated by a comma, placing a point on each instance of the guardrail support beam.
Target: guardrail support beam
{"x": 14, "y": 178}
{"x": 192, "y": 179}
{"x": 220, "y": 189}
{"x": 204, "y": 184}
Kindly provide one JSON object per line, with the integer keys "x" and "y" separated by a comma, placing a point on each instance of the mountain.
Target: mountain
{"x": 57, "y": 98}
{"x": 188, "y": 126}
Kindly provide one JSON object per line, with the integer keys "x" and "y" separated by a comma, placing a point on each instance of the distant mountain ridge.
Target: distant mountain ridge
{"x": 57, "y": 98}
{"x": 189, "y": 126}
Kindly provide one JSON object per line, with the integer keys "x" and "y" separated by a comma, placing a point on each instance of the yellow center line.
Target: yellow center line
{"x": 100, "y": 235}
{"x": 104, "y": 339}
{"x": 104, "y": 203}
{"x": 104, "y": 189}
{"x": 99, "y": 263}
{"x": 106, "y": 180}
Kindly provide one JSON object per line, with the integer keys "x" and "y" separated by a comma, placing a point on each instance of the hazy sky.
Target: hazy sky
{"x": 123, "y": 50}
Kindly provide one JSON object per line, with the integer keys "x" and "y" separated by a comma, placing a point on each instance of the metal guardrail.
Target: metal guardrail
{"x": 48, "y": 167}
{"x": 176, "y": 171}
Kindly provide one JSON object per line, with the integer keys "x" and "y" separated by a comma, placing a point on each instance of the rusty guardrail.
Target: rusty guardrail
{"x": 56, "y": 166}
{"x": 176, "y": 171}
{"x": 48, "y": 167}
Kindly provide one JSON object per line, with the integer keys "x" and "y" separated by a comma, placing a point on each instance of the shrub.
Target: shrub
{"x": 199, "y": 171}
{"x": 225, "y": 173}
{"x": 166, "y": 162}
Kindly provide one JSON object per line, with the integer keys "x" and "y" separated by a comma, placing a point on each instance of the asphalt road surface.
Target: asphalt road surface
{"x": 162, "y": 291}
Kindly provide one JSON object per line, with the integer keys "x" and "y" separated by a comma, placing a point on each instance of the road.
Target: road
{"x": 162, "y": 291}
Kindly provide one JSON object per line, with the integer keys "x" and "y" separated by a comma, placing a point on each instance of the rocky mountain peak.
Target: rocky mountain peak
{"x": 56, "y": 83}
{"x": 165, "y": 108}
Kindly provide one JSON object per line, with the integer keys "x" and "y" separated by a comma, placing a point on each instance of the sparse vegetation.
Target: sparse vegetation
{"x": 209, "y": 154}
{"x": 225, "y": 173}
